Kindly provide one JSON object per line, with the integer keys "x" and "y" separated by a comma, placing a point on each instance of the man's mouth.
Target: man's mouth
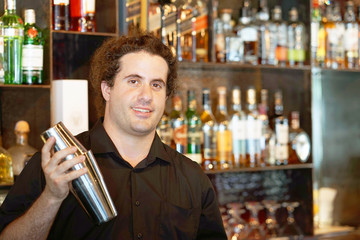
{"x": 141, "y": 110}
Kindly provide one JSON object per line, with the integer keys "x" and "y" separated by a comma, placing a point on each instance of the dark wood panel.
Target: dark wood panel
{"x": 29, "y": 104}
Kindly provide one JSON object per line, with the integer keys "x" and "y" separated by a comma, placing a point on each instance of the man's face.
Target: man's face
{"x": 136, "y": 102}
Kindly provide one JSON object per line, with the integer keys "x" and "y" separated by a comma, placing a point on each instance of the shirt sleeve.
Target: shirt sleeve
{"x": 26, "y": 189}
{"x": 211, "y": 226}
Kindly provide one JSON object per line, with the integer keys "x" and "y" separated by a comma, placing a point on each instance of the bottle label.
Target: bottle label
{"x": 13, "y": 32}
{"x": 180, "y": 135}
{"x": 282, "y": 133}
{"x": 281, "y": 152}
{"x": 32, "y": 57}
{"x": 194, "y": 156}
{"x": 59, "y": 2}
{"x": 90, "y": 6}
{"x": 224, "y": 143}
{"x": 351, "y": 39}
{"x": 209, "y": 140}
{"x": 239, "y": 130}
{"x": 248, "y": 34}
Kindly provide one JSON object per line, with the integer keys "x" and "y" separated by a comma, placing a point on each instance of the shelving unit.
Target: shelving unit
{"x": 67, "y": 55}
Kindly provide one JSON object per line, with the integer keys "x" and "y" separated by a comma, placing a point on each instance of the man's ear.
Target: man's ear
{"x": 105, "y": 90}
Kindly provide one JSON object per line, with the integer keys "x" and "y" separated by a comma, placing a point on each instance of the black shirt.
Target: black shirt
{"x": 166, "y": 196}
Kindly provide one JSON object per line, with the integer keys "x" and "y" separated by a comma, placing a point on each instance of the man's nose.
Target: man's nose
{"x": 146, "y": 93}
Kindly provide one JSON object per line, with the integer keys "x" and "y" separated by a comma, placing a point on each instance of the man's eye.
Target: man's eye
{"x": 158, "y": 85}
{"x": 133, "y": 81}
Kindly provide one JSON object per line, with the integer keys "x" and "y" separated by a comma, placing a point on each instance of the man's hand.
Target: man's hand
{"x": 56, "y": 170}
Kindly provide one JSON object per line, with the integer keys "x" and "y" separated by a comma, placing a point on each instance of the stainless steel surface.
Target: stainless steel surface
{"x": 90, "y": 188}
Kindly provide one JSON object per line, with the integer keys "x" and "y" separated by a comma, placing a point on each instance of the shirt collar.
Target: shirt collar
{"x": 100, "y": 142}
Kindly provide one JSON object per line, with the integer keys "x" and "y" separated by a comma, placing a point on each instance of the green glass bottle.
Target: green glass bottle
{"x": 11, "y": 40}
{"x": 194, "y": 132}
{"x": 33, "y": 50}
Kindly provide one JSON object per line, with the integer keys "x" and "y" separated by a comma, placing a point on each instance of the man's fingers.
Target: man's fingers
{"x": 46, "y": 149}
{"x": 68, "y": 164}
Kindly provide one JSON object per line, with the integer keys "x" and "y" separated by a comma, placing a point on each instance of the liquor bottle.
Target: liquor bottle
{"x": 238, "y": 129}
{"x": 178, "y": 125}
{"x": 281, "y": 125}
{"x": 209, "y": 133}
{"x": 194, "y": 132}
{"x": 247, "y": 31}
{"x": 351, "y": 35}
{"x": 296, "y": 39}
{"x": 317, "y": 36}
{"x": 202, "y": 34}
{"x": 340, "y": 30}
{"x": 164, "y": 129}
{"x": 33, "y": 50}
{"x": 227, "y": 29}
{"x": 253, "y": 127}
{"x": 299, "y": 141}
{"x": 267, "y": 142}
{"x": 6, "y": 171}
{"x": 219, "y": 40}
{"x": 262, "y": 22}
{"x": 223, "y": 133}
{"x": 21, "y": 151}
{"x": 11, "y": 41}
{"x": 278, "y": 27}
{"x": 82, "y": 14}
{"x": 61, "y": 15}
{"x": 330, "y": 37}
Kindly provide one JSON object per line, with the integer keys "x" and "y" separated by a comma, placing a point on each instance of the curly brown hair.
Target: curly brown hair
{"x": 105, "y": 62}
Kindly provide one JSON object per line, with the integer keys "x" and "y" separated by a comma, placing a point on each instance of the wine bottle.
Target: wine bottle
{"x": 33, "y": 50}
{"x": 11, "y": 41}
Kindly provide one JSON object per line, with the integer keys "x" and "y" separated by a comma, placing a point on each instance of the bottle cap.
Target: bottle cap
{"x": 29, "y": 16}
{"x": 22, "y": 126}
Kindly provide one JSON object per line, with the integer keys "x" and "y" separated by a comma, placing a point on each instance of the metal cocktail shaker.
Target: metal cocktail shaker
{"x": 89, "y": 189}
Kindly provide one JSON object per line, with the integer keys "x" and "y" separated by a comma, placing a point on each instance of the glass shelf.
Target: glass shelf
{"x": 43, "y": 86}
{"x": 234, "y": 65}
{"x": 260, "y": 169}
{"x": 106, "y": 34}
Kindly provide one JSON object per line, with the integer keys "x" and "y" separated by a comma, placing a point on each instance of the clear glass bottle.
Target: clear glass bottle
{"x": 254, "y": 127}
{"x": 278, "y": 27}
{"x": 33, "y": 50}
{"x": 317, "y": 40}
{"x": 11, "y": 42}
{"x": 330, "y": 37}
{"x": 299, "y": 141}
{"x": 262, "y": 22}
{"x": 21, "y": 152}
{"x": 340, "y": 30}
{"x": 351, "y": 37}
{"x": 209, "y": 133}
{"x": 226, "y": 29}
{"x": 178, "y": 125}
{"x": 281, "y": 125}
{"x": 296, "y": 39}
{"x": 238, "y": 129}
{"x": 194, "y": 131}
{"x": 247, "y": 31}
{"x": 164, "y": 129}
{"x": 6, "y": 169}
{"x": 267, "y": 142}
{"x": 223, "y": 133}
{"x": 61, "y": 15}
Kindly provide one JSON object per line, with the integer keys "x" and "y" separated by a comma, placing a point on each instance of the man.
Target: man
{"x": 158, "y": 193}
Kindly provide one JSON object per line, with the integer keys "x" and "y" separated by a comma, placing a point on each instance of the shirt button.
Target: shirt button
{"x": 139, "y": 235}
{"x": 137, "y": 203}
